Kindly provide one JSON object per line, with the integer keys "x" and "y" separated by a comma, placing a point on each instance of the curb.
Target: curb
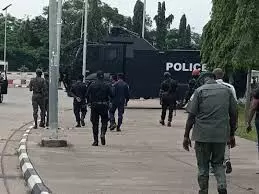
{"x": 30, "y": 175}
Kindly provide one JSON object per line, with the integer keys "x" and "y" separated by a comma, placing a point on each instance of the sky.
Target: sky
{"x": 198, "y": 14}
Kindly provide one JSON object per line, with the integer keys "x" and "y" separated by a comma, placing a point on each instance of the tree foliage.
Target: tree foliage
{"x": 230, "y": 39}
{"x": 163, "y": 24}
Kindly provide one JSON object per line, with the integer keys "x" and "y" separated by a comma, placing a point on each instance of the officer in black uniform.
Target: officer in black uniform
{"x": 98, "y": 96}
{"x": 78, "y": 91}
{"x": 119, "y": 101}
{"x": 168, "y": 98}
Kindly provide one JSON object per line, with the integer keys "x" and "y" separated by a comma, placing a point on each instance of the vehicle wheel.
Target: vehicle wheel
{"x": 1, "y": 98}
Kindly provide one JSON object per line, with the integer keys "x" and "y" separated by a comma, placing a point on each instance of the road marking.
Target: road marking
{"x": 23, "y": 155}
{"x": 26, "y": 166}
{"x": 23, "y": 141}
{"x": 22, "y": 147}
{"x": 33, "y": 180}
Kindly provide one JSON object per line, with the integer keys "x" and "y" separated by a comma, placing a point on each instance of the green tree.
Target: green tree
{"x": 172, "y": 39}
{"x": 137, "y": 20}
{"x": 138, "y": 17}
{"x": 218, "y": 46}
{"x": 245, "y": 33}
{"x": 188, "y": 37}
{"x": 96, "y": 30}
{"x": 182, "y": 31}
{"x": 163, "y": 24}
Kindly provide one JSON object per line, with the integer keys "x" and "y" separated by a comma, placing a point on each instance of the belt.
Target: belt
{"x": 101, "y": 103}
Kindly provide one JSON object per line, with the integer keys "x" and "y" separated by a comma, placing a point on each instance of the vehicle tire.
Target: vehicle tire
{"x": 1, "y": 98}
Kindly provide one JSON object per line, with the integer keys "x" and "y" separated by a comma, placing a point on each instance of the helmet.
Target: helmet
{"x": 38, "y": 71}
{"x": 100, "y": 75}
{"x": 196, "y": 72}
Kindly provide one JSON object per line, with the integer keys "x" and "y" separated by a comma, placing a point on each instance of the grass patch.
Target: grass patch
{"x": 241, "y": 131}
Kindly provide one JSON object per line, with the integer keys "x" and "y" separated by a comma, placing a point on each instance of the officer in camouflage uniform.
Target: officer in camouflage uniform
{"x": 213, "y": 116}
{"x": 46, "y": 77}
{"x": 38, "y": 87}
{"x": 99, "y": 95}
{"x": 168, "y": 97}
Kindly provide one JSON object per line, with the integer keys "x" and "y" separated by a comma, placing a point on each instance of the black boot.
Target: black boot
{"x": 78, "y": 124}
{"x": 118, "y": 128}
{"x": 35, "y": 124}
{"x": 228, "y": 167}
{"x": 82, "y": 122}
{"x": 95, "y": 143}
{"x": 222, "y": 191}
{"x": 42, "y": 124}
{"x": 113, "y": 126}
{"x": 169, "y": 124}
{"x": 95, "y": 135}
{"x": 103, "y": 133}
{"x": 103, "y": 141}
{"x": 162, "y": 122}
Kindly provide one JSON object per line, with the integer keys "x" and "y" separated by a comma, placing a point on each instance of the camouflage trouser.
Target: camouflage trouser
{"x": 38, "y": 101}
{"x": 213, "y": 153}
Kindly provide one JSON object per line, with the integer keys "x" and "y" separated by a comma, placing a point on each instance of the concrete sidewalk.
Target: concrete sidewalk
{"x": 145, "y": 158}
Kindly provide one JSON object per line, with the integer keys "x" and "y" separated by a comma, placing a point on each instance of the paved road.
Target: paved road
{"x": 14, "y": 112}
{"x": 144, "y": 159}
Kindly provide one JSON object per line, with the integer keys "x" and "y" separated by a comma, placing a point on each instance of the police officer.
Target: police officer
{"x": 192, "y": 84}
{"x": 98, "y": 96}
{"x": 38, "y": 87}
{"x": 168, "y": 98}
{"x": 78, "y": 91}
{"x": 46, "y": 77}
{"x": 113, "y": 79}
{"x": 213, "y": 116}
{"x": 119, "y": 101}
{"x": 219, "y": 73}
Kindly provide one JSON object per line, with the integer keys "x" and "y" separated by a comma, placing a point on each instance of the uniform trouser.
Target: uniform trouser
{"x": 227, "y": 153}
{"x": 47, "y": 109}
{"x": 164, "y": 109}
{"x": 213, "y": 153}
{"x": 80, "y": 107}
{"x": 38, "y": 101}
{"x": 112, "y": 111}
{"x": 97, "y": 111}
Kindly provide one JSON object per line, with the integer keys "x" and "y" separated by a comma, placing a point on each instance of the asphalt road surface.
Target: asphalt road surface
{"x": 15, "y": 111}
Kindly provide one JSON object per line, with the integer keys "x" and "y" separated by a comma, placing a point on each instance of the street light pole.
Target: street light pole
{"x": 144, "y": 20}
{"x": 85, "y": 40}
{"x": 5, "y": 33}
